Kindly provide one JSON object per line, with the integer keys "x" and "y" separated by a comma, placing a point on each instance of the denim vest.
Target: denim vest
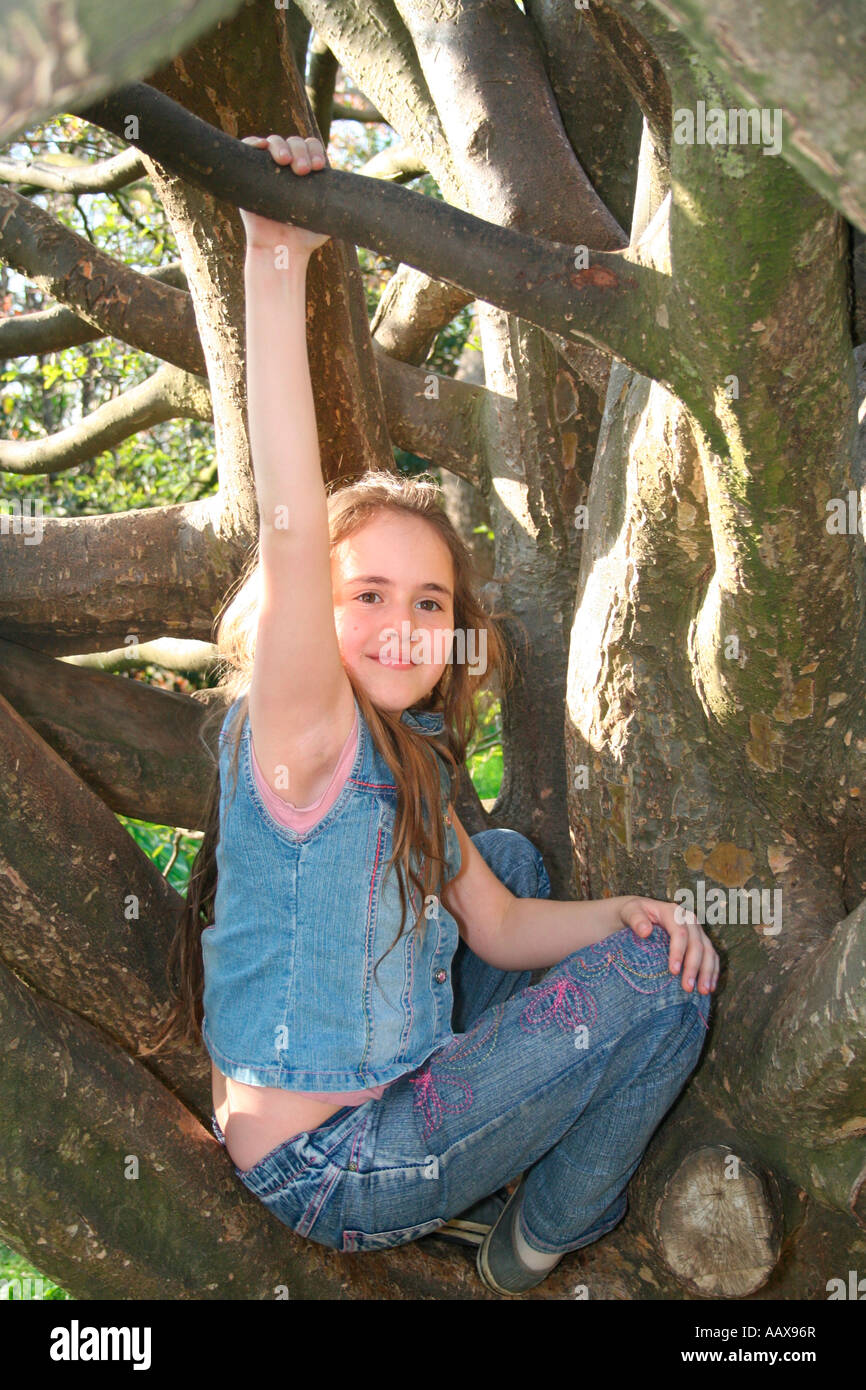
{"x": 301, "y": 918}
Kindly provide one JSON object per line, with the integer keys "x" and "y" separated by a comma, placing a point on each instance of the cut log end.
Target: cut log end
{"x": 718, "y": 1224}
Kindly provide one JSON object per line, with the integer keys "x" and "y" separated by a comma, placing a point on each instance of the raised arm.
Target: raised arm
{"x": 301, "y": 705}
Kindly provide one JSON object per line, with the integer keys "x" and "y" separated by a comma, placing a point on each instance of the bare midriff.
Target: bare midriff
{"x": 256, "y": 1119}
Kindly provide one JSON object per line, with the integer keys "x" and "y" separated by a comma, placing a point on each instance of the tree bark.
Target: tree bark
{"x": 79, "y": 52}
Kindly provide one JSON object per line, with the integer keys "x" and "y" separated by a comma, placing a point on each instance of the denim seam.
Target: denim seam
{"x": 276, "y": 1075}
{"x": 313, "y": 1210}
{"x": 586, "y": 1239}
{"x": 406, "y": 1000}
{"x": 270, "y": 1157}
{"x": 370, "y": 936}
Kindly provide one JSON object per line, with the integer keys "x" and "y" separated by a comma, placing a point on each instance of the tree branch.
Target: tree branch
{"x": 366, "y": 112}
{"x": 93, "y": 581}
{"x": 372, "y": 44}
{"x": 396, "y": 164}
{"x": 632, "y": 57}
{"x": 102, "y": 952}
{"x": 55, "y": 54}
{"x": 812, "y": 1096}
{"x": 170, "y": 653}
{"x": 806, "y": 58}
{"x": 57, "y": 328}
{"x": 495, "y": 154}
{"x": 601, "y": 119}
{"x": 141, "y": 750}
{"x": 610, "y": 302}
{"x": 412, "y": 311}
{"x": 184, "y": 1228}
{"x": 104, "y": 177}
{"x": 323, "y": 68}
{"x": 137, "y": 309}
{"x": 435, "y": 416}
{"x": 168, "y": 394}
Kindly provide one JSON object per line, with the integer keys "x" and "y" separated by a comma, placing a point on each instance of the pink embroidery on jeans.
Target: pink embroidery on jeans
{"x": 474, "y": 1046}
{"x": 647, "y": 976}
{"x": 431, "y": 1101}
{"x": 439, "y": 1091}
{"x": 560, "y": 1000}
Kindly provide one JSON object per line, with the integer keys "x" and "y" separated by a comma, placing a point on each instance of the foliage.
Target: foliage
{"x": 13, "y": 1266}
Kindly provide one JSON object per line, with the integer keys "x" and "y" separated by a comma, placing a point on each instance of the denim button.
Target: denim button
{"x": 440, "y": 977}
{"x": 353, "y": 1167}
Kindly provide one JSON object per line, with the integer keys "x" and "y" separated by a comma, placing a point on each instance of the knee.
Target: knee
{"x": 515, "y": 861}
{"x": 681, "y": 1031}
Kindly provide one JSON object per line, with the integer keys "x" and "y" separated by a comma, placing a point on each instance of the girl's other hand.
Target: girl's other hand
{"x": 690, "y": 945}
{"x": 303, "y": 155}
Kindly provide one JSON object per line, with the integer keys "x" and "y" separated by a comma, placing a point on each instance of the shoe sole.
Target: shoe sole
{"x": 468, "y": 1233}
{"x": 460, "y": 1231}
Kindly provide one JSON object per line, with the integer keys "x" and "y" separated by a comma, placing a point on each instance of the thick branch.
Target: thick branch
{"x": 142, "y": 750}
{"x": 54, "y": 54}
{"x": 169, "y": 394}
{"x": 177, "y": 1225}
{"x": 320, "y": 88}
{"x": 805, "y": 58}
{"x": 372, "y": 45}
{"x": 810, "y": 1081}
{"x": 495, "y": 154}
{"x": 632, "y": 57}
{"x": 93, "y": 581}
{"x": 612, "y": 302}
{"x": 298, "y": 34}
{"x": 396, "y": 164}
{"x": 52, "y": 330}
{"x": 93, "y": 942}
{"x": 602, "y": 121}
{"x": 412, "y": 311}
{"x": 138, "y": 309}
{"x": 364, "y": 112}
{"x": 171, "y": 653}
{"x": 434, "y": 416}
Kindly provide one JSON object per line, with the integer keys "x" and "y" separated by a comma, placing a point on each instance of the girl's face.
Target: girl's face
{"x": 393, "y": 584}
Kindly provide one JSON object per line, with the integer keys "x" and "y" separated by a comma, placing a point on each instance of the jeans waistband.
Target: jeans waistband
{"x": 327, "y": 1126}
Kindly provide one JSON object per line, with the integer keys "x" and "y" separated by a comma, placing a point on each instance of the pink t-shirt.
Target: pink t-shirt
{"x": 304, "y": 818}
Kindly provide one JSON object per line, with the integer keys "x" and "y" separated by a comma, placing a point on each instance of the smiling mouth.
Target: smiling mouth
{"x": 394, "y": 665}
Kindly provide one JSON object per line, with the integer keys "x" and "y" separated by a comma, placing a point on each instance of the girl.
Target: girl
{"x": 360, "y": 967}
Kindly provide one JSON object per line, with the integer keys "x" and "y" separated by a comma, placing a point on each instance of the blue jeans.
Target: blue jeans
{"x": 564, "y": 1080}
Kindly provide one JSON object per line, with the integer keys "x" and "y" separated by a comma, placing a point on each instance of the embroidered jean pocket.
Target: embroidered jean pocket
{"x": 386, "y": 1240}
{"x": 300, "y": 1201}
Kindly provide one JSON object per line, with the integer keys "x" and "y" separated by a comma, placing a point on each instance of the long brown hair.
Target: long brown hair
{"x": 405, "y": 751}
